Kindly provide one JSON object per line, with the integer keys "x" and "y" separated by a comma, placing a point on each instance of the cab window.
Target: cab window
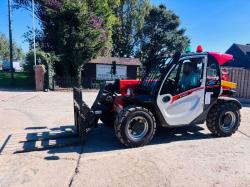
{"x": 186, "y": 75}
{"x": 213, "y": 72}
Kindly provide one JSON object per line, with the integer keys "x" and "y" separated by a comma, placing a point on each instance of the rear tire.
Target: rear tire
{"x": 135, "y": 126}
{"x": 223, "y": 119}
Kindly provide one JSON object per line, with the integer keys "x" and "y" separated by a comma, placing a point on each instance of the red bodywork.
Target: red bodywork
{"x": 221, "y": 58}
{"x": 125, "y": 84}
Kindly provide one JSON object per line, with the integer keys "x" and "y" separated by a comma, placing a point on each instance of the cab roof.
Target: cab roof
{"x": 221, "y": 58}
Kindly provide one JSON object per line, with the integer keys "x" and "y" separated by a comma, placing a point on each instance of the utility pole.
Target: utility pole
{"x": 10, "y": 39}
{"x": 33, "y": 30}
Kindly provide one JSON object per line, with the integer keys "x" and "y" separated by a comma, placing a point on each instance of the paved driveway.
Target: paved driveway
{"x": 187, "y": 156}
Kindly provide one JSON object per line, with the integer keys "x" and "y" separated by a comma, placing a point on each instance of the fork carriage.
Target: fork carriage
{"x": 80, "y": 112}
{"x": 85, "y": 118}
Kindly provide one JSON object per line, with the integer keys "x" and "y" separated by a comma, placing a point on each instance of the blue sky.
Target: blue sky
{"x": 216, "y": 24}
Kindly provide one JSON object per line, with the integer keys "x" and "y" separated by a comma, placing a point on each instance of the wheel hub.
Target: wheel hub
{"x": 227, "y": 121}
{"x": 137, "y": 128}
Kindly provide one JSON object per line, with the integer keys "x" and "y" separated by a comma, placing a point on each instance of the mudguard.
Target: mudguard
{"x": 230, "y": 99}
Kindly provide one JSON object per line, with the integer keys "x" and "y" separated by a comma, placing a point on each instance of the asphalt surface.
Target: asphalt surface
{"x": 187, "y": 156}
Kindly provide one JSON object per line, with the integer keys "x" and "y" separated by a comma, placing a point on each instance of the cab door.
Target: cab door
{"x": 181, "y": 96}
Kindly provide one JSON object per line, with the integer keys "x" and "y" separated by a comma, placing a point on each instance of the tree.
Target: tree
{"x": 82, "y": 34}
{"x": 75, "y": 31}
{"x": 127, "y": 29}
{"x": 5, "y": 52}
{"x": 161, "y": 36}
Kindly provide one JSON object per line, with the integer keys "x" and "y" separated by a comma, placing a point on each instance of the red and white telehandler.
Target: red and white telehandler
{"x": 186, "y": 89}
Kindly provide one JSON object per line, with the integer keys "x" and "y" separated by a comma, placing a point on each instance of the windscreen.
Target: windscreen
{"x": 152, "y": 78}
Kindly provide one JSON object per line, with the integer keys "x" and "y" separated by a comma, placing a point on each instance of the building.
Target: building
{"x": 241, "y": 55}
{"x": 98, "y": 70}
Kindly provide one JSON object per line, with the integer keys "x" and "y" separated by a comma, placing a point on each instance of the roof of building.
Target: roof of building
{"x": 119, "y": 61}
{"x": 241, "y": 54}
{"x": 244, "y": 48}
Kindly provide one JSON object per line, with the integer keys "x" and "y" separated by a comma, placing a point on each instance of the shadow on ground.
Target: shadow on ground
{"x": 104, "y": 139}
{"x": 63, "y": 139}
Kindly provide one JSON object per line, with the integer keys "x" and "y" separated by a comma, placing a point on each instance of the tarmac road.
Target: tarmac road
{"x": 187, "y": 156}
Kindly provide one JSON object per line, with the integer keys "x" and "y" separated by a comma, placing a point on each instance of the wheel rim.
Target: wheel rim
{"x": 227, "y": 121}
{"x": 137, "y": 128}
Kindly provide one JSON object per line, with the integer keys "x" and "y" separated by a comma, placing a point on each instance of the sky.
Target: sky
{"x": 215, "y": 24}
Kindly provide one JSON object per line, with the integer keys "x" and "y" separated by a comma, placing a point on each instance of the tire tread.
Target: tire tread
{"x": 213, "y": 115}
{"x": 121, "y": 117}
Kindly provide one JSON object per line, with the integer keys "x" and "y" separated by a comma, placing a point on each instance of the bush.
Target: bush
{"x": 29, "y": 60}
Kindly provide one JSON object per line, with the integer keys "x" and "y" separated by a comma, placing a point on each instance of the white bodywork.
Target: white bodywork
{"x": 184, "y": 110}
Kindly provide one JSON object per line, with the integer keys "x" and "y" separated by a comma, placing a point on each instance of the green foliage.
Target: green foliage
{"x": 42, "y": 57}
{"x": 76, "y": 31}
{"x": 5, "y": 52}
{"x": 127, "y": 29}
{"x": 78, "y": 37}
{"x": 161, "y": 36}
{"x": 83, "y": 31}
{"x": 103, "y": 9}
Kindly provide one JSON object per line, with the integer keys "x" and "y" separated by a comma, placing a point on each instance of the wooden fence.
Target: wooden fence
{"x": 240, "y": 76}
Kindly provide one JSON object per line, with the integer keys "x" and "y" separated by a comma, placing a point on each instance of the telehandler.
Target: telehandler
{"x": 186, "y": 89}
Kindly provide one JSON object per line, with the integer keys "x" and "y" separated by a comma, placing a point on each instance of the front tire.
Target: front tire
{"x": 135, "y": 126}
{"x": 223, "y": 119}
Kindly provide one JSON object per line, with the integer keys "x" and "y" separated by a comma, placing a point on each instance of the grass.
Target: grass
{"x": 22, "y": 80}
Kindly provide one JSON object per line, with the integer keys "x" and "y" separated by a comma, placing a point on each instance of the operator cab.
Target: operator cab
{"x": 189, "y": 88}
